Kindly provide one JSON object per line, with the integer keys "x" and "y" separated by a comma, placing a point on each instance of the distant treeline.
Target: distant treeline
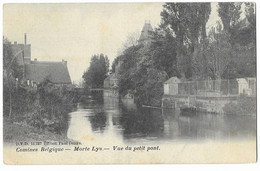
{"x": 96, "y": 73}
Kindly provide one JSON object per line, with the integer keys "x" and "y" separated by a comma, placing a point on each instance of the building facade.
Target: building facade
{"x": 35, "y": 72}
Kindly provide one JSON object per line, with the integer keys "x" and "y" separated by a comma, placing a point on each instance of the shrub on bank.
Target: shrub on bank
{"x": 245, "y": 106}
{"x": 45, "y": 108}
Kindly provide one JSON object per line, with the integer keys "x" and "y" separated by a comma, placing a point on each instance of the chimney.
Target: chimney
{"x": 24, "y": 38}
{"x": 35, "y": 59}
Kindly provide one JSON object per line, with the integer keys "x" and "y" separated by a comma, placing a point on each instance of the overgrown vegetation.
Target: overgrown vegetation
{"x": 245, "y": 106}
{"x": 183, "y": 47}
{"x": 44, "y": 108}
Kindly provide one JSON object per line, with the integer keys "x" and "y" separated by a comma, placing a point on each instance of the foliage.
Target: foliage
{"x": 241, "y": 35}
{"x": 145, "y": 68}
{"x": 181, "y": 47}
{"x": 217, "y": 52}
{"x": 131, "y": 40}
{"x": 115, "y": 62}
{"x": 45, "y": 107}
{"x": 186, "y": 22}
{"x": 12, "y": 73}
{"x": 244, "y": 106}
{"x": 10, "y": 64}
{"x": 229, "y": 12}
{"x": 97, "y": 71}
{"x": 163, "y": 53}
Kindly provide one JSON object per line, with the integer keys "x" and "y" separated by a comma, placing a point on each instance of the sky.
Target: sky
{"x": 75, "y": 32}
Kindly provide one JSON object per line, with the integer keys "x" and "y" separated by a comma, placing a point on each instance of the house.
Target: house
{"x": 35, "y": 72}
{"x": 38, "y": 71}
{"x": 129, "y": 95}
{"x": 171, "y": 86}
{"x": 247, "y": 86}
{"x": 242, "y": 86}
{"x": 111, "y": 81}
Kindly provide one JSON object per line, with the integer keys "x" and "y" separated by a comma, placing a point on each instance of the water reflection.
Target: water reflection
{"x": 110, "y": 120}
{"x": 79, "y": 125}
{"x": 144, "y": 122}
{"x": 98, "y": 121}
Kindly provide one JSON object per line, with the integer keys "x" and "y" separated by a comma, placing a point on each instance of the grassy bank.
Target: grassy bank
{"x": 37, "y": 114}
{"x": 18, "y": 131}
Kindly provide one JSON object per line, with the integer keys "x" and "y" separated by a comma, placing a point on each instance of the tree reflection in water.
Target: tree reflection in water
{"x": 142, "y": 123}
{"x": 98, "y": 122}
{"x": 107, "y": 117}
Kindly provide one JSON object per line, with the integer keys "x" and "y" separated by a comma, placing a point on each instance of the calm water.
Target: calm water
{"x": 106, "y": 119}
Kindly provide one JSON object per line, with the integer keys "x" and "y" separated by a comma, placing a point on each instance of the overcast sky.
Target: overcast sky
{"x": 74, "y": 32}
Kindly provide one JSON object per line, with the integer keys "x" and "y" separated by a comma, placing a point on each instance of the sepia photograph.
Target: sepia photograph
{"x": 129, "y": 83}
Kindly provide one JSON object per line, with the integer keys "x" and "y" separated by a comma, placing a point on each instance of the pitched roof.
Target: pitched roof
{"x": 146, "y": 32}
{"x": 21, "y": 50}
{"x": 112, "y": 76}
{"x": 56, "y": 72}
{"x": 172, "y": 80}
{"x": 242, "y": 80}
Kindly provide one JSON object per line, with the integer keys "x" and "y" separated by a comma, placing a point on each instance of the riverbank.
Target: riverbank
{"x": 18, "y": 131}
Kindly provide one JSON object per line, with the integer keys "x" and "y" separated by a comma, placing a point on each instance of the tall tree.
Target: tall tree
{"x": 241, "y": 36}
{"x": 251, "y": 17}
{"x": 97, "y": 71}
{"x": 12, "y": 73}
{"x": 187, "y": 22}
{"x": 131, "y": 40}
{"x": 250, "y": 12}
{"x": 217, "y": 52}
{"x": 163, "y": 53}
{"x": 229, "y": 12}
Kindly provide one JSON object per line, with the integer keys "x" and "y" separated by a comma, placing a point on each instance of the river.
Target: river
{"x": 107, "y": 120}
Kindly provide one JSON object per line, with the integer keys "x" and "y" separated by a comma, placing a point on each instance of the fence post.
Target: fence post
{"x": 228, "y": 86}
{"x": 205, "y": 90}
{"x": 254, "y": 93}
{"x": 189, "y": 89}
{"x": 197, "y": 87}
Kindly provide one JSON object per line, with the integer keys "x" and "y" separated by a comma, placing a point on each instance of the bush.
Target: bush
{"x": 245, "y": 106}
{"x": 45, "y": 108}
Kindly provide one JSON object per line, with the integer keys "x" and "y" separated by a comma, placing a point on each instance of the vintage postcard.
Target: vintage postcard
{"x": 129, "y": 83}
